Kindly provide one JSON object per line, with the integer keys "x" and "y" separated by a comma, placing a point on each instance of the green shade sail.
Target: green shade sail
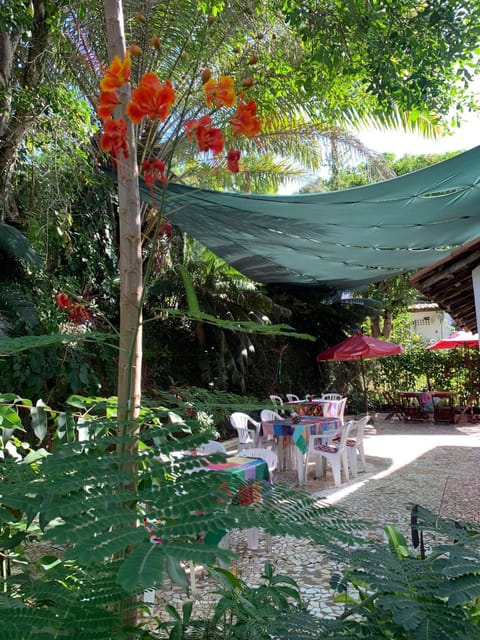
{"x": 341, "y": 239}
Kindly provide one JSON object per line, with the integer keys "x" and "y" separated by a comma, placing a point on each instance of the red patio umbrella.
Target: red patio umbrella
{"x": 358, "y": 347}
{"x": 463, "y": 339}
{"x": 456, "y": 339}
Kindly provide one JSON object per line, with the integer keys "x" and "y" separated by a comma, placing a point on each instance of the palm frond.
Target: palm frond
{"x": 16, "y": 244}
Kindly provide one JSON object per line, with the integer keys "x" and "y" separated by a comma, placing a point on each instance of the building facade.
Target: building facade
{"x": 430, "y": 322}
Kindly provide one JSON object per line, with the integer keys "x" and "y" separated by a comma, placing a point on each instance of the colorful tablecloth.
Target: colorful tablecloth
{"x": 247, "y": 468}
{"x": 254, "y": 471}
{"x": 298, "y": 432}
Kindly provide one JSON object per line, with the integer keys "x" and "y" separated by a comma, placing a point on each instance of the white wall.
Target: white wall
{"x": 430, "y": 323}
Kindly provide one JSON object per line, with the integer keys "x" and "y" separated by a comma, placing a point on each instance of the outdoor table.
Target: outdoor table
{"x": 287, "y": 430}
{"x": 443, "y": 406}
{"x": 422, "y": 405}
{"x": 416, "y": 405}
{"x": 253, "y": 471}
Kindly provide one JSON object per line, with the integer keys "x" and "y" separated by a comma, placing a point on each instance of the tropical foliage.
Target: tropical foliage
{"x": 82, "y": 506}
{"x": 106, "y": 464}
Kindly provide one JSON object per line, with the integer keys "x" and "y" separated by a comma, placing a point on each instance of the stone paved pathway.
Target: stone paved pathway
{"x": 436, "y": 466}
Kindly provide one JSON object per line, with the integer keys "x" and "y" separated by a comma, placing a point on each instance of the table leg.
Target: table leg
{"x": 252, "y": 538}
{"x": 301, "y": 470}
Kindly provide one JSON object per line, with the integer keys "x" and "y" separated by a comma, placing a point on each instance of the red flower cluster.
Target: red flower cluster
{"x": 63, "y": 301}
{"x": 208, "y": 138}
{"x": 233, "y": 156}
{"x": 165, "y": 228}
{"x": 151, "y": 98}
{"x": 245, "y": 119}
{"x": 114, "y": 138}
{"x": 76, "y": 313}
{"x": 153, "y": 172}
{"x": 154, "y": 99}
{"x": 221, "y": 93}
{"x": 107, "y": 102}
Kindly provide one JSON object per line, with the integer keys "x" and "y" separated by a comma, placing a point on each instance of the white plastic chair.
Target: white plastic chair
{"x": 331, "y": 396}
{"x": 271, "y": 459}
{"x": 247, "y": 436}
{"x": 355, "y": 445}
{"x": 325, "y": 448}
{"x": 340, "y": 410}
{"x": 291, "y": 397}
{"x": 268, "y": 415}
{"x": 212, "y": 446}
{"x": 277, "y": 400}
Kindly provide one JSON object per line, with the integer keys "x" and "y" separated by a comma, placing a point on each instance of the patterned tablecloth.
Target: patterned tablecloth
{"x": 254, "y": 471}
{"x": 299, "y": 432}
{"x": 247, "y": 468}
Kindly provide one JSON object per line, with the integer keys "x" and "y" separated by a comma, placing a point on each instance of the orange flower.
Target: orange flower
{"x": 151, "y": 98}
{"x": 221, "y": 93}
{"x": 117, "y": 73}
{"x": 208, "y": 138}
{"x": 233, "y": 156}
{"x": 245, "y": 120}
{"x": 114, "y": 138}
{"x": 62, "y": 300}
{"x": 191, "y": 126}
{"x": 78, "y": 314}
{"x": 107, "y": 102}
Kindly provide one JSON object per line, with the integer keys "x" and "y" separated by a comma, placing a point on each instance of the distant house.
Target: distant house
{"x": 429, "y": 321}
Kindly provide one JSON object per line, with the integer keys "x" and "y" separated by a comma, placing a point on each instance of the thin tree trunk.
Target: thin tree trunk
{"x": 387, "y": 324}
{"x": 130, "y": 266}
{"x": 375, "y": 326}
{"x": 14, "y": 126}
{"x": 130, "y": 358}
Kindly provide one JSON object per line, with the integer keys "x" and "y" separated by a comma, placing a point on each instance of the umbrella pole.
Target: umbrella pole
{"x": 364, "y": 382}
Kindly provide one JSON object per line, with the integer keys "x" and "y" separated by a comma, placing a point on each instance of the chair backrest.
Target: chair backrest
{"x": 267, "y": 415}
{"x": 291, "y": 397}
{"x": 341, "y": 408}
{"x": 357, "y": 428}
{"x": 277, "y": 400}
{"x": 339, "y": 444}
{"x": 335, "y": 408}
{"x": 243, "y": 423}
{"x": 331, "y": 396}
{"x": 212, "y": 446}
{"x": 268, "y": 455}
{"x": 346, "y": 429}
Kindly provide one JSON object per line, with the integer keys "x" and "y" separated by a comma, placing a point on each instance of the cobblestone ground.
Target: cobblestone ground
{"x": 435, "y": 466}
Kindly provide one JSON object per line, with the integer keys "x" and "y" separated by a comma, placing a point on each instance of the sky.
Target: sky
{"x": 465, "y": 137}
{"x": 400, "y": 143}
